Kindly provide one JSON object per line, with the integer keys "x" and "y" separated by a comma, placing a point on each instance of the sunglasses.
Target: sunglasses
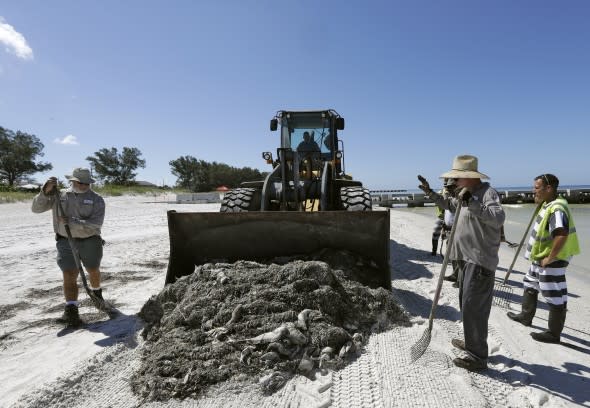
{"x": 546, "y": 179}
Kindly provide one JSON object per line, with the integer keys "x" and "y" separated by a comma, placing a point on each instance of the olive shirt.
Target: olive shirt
{"x": 477, "y": 235}
{"x": 85, "y": 212}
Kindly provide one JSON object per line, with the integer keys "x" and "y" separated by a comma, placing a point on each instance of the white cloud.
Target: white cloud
{"x": 66, "y": 140}
{"x": 14, "y": 41}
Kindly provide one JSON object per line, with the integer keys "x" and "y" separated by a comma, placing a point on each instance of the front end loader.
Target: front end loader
{"x": 306, "y": 203}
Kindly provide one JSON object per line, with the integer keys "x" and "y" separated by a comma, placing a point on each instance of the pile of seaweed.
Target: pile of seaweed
{"x": 251, "y": 322}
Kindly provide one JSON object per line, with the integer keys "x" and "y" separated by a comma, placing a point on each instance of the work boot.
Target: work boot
{"x": 434, "y": 247}
{"x": 556, "y": 323}
{"x": 470, "y": 363}
{"x": 529, "y": 308}
{"x": 71, "y": 317}
{"x": 451, "y": 278}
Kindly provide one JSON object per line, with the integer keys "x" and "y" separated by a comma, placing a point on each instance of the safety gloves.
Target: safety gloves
{"x": 50, "y": 186}
{"x": 464, "y": 196}
{"x": 424, "y": 186}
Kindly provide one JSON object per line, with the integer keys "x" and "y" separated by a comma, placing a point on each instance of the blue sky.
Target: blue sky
{"x": 418, "y": 82}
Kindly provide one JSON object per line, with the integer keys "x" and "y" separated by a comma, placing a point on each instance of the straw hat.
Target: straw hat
{"x": 81, "y": 175}
{"x": 464, "y": 166}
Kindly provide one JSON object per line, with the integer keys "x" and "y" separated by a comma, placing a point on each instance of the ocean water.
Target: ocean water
{"x": 561, "y": 187}
{"x": 435, "y": 185}
{"x": 518, "y": 217}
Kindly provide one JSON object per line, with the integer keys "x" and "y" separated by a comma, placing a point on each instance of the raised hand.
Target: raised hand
{"x": 424, "y": 186}
{"x": 50, "y": 186}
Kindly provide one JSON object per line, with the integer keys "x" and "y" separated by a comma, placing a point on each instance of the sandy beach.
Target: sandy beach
{"x": 42, "y": 365}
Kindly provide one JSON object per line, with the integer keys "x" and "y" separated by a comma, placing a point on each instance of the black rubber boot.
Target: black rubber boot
{"x": 454, "y": 277}
{"x": 434, "y": 247}
{"x": 529, "y": 308}
{"x": 556, "y": 323}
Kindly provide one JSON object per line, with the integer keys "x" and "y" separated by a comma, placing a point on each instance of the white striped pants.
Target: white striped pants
{"x": 549, "y": 281}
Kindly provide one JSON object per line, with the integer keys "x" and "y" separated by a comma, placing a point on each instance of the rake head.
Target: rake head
{"x": 102, "y": 304}
{"x": 502, "y": 295}
{"x": 419, "y": 348}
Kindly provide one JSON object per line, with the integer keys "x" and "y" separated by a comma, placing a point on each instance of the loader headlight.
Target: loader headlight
{"x": 338, "y": 155}
{"x": 267, "y": 156}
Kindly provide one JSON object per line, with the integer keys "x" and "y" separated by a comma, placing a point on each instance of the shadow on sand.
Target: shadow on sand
{"x": 119, "y": 329}
{"x": 564, "y": 382}
{"x": 405, "y": 258}
{"x": 408, "y": 265}
{"x": 420, "y": 306}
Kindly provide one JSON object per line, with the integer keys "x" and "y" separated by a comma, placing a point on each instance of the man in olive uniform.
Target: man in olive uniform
{"x": 84, "y": 213}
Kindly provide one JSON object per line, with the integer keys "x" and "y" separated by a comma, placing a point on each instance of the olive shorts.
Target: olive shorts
{"x": 89, "y": 249}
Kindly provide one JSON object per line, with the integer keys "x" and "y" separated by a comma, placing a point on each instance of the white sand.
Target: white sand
{"x": 40, "y": 367}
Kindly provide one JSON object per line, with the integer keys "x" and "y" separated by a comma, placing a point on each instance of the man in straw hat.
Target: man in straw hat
{"x": 475, "y": 248}
{"x": 552, "y": 243}
{"x": 84, "y": 212}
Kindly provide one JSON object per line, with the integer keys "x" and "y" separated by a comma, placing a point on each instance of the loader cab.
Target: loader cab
{"x": 320, "y": 126}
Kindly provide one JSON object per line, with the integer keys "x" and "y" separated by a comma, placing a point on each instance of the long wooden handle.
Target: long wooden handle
{"x": 525, "y": 235}
{"x": 444, "y": 265}
{"x": 72, "y": 245}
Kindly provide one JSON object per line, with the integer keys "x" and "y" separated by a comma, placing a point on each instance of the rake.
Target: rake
{"x": 419, "y": 348}
{"x": 502, "y": 290}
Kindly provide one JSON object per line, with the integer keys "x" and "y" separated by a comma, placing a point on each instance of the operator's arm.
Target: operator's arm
{"x": 42, "y": 203}
{"x": 559, "y": 240}
{"x": 559, "y": 228}
{"x": 46, "y": 197}
{"x": 449, "y": 203}
{"x": 442, "y": 202}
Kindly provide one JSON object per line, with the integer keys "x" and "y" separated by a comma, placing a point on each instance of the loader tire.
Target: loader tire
{"x": 241, "y": 200}
{"x": 355, "y": 199}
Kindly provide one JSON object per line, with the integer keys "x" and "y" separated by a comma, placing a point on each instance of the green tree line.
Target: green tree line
{"x": 112, "y": 167}
{"x": 18, "y": 155}
{"x": 200, "y": 175}
{"x": 19, "y": 152}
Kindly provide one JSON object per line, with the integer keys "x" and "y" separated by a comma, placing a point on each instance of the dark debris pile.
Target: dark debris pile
{"x": 250, "y": 322}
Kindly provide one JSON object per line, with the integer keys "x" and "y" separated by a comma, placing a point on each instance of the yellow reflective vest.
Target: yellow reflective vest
{"x": 543, "y": 241}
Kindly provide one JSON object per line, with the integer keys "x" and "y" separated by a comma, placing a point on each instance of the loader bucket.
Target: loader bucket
{"x": 199, "y": 238}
